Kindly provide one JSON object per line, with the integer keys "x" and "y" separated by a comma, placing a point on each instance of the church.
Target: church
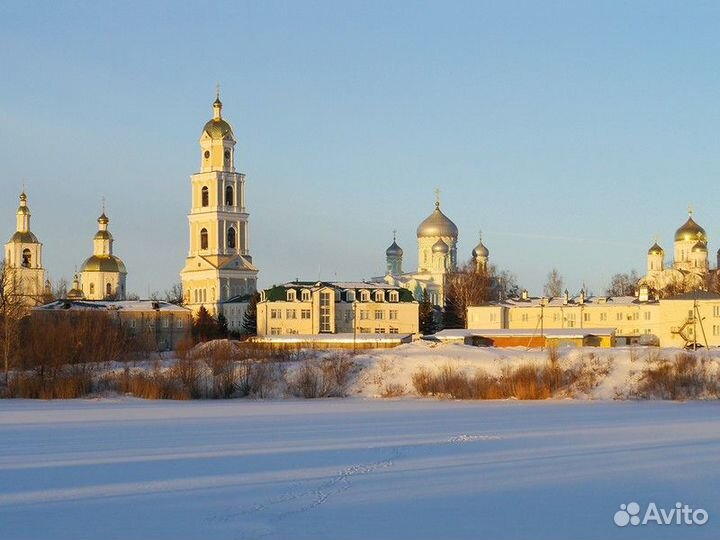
{"x": 218, "y": 267}
{"x": 437, "y": 238}
{"x": 690, "y": 268}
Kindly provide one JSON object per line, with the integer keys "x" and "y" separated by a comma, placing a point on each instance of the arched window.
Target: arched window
{"x": 92, "y": 288}
{"x": 26, "y": 258}
{"x": 205, "y": 196}
{"x": 108, "y": 290}
{"x": 229, "y": 199}
{"x": 231, "y": 238}
{"x": 203, "y": 239}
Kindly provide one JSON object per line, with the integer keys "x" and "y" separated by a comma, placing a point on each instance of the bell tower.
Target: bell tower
{"x": 218, "y": 266}
{"x": 23, "y": 255}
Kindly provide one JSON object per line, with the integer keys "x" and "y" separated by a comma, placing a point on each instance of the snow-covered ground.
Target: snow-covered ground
{"x": 353, "y": 468}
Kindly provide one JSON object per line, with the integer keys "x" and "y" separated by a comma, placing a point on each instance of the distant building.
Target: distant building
{"x": 167, "y": 324}
{"x": 23, "y": 257}
{"x": 690, "y": 268}
{"x": 218, "y": 266}
{"x": 233, "y": 309}
{"x": 437, "y": 238}
{"x": 309, "y": 308}
{"x": 103, "y": 275}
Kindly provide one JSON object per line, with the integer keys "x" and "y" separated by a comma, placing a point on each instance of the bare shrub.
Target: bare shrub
{"x": 154, "y": 385}
{"x": 309, "y": 381}
{"x": 424, "y": 382}
{"x": 687, "y": 376}
{"x": 66, "y": 384}
{"x": 257, "y": 378}
{"x": 187, "y": 371}
{"x": 392, "y": 390}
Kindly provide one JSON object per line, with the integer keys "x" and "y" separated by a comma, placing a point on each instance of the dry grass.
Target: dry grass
{"x": 523, "y": 382}
{"x": 687, "y": 376}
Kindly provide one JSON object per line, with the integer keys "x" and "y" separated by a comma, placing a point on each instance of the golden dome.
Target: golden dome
{"x": 24, "y": 238}
{"x": 218, "y": 129}
{"x": 480, "y": 251}
{"x": 437, "y": 224}
{"x": 440, "y": 247}
{"x": 690, "y": 231}
{"x": 699, "y": 247}
{"x": 103, "y": 235}
{"x": 655, "y": 249}
{"x": 103, "y": 263}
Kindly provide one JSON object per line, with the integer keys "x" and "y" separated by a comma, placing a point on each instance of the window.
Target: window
{"x": 364, "y": 330}
{"x": 364, "y": 314}
{"x": 229, "y": 199}
{"x": 603, "y": 316}
{"x": 379, "y": 315}
{"x": 92, "y": 288}
{"x": 305, "y": 295}
{"x": 291, "y": 295}
{"x": 26, "y": 258}
{"x": 379, "y": 330}
{"x": 393, "y": 330}
{"x": 203, "y": 239}
{"x": 492, "y": 317}
{"x": 716, "y": 311}
{"x": 350, "y": 296}
{"x": 205, "y": 196}
{"x": 586, "y": 317}
{"x": 394, "y": 296}
{"x": 393, "y": 314}
{"x": 524, "y": 317}
{"x": 636, "y": 316}
{"x": 291, "y": 331}
{"x": 291, "y": 314}
{"x": 276, "y": 313}
{"x": 325, "y": 312}
{"x": 379, "y": 296}
{"x": 364, "y": 296}
{"x": 132, "y": 323}
{"x": 716, "y": 330}
{"x": 305, "y": 314}
{"x": 180, "y": 323}
{"x": 108, "y": 289}
{"x": 275, "y": 331}
{"x": 231, "y": 238}
{"x": 619, "y": 317}
{"x": 348, "y": 316}
{"x": 647, "y": 315}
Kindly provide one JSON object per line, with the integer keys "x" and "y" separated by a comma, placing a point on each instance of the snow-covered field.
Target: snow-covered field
{"x": 353, "y": 468}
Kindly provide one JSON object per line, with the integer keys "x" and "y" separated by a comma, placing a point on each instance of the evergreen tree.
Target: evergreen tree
{"x": 205, "y": 327}
{"x": 426, "y": 313}
{"x": 250, "y": 316}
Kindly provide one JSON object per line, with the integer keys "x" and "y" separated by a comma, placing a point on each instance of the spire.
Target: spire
{"x": 217, "y": 104}
{"x": 394, "y": 235}
{"x": 437, "y": 198}
{"x": 23, "y": 214}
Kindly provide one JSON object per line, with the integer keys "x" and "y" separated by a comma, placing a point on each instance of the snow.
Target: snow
{"x": 618, "y": 369}
{"x": 352, "y": 468}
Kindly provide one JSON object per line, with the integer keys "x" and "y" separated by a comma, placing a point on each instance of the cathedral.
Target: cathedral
{"x": 218, "y": 266}
{"x": 437, "y": 238}
{"x": 103, "y": 274}
{"x": 23, "y": 256}
{"x": 690, "y": 268}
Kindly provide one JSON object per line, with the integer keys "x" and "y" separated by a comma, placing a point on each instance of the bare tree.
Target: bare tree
{"x": 554, "y": 284}
{"x": 12, "y": 308}
{"x": 623, "y": 284}
{"x": 174, "y": 294}
{"x": 463, "y": 288}
{"x": 60, "y": 289}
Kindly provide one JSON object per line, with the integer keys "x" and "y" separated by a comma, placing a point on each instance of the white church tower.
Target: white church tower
{"x": 218, "y": 266}
{"x": 23, "y": 255}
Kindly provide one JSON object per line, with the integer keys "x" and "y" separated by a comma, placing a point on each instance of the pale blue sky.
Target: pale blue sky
{"x": 571, "y": 133}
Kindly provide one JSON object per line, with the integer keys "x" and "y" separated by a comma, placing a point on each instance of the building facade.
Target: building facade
{"x": 23, "y": 257}
{"x": 164, "y": 324}
{"x": 103, "y": 275}
{"x": 676, "y": 321}
{"x": 218, "y": 266}
{"x": 309, "y": 308}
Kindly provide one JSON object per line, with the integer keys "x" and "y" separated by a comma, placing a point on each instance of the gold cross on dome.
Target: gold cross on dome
{"x": 437, "y": 197}
{"x": 690, "y": 210}
{"x": 394, "y": 234}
